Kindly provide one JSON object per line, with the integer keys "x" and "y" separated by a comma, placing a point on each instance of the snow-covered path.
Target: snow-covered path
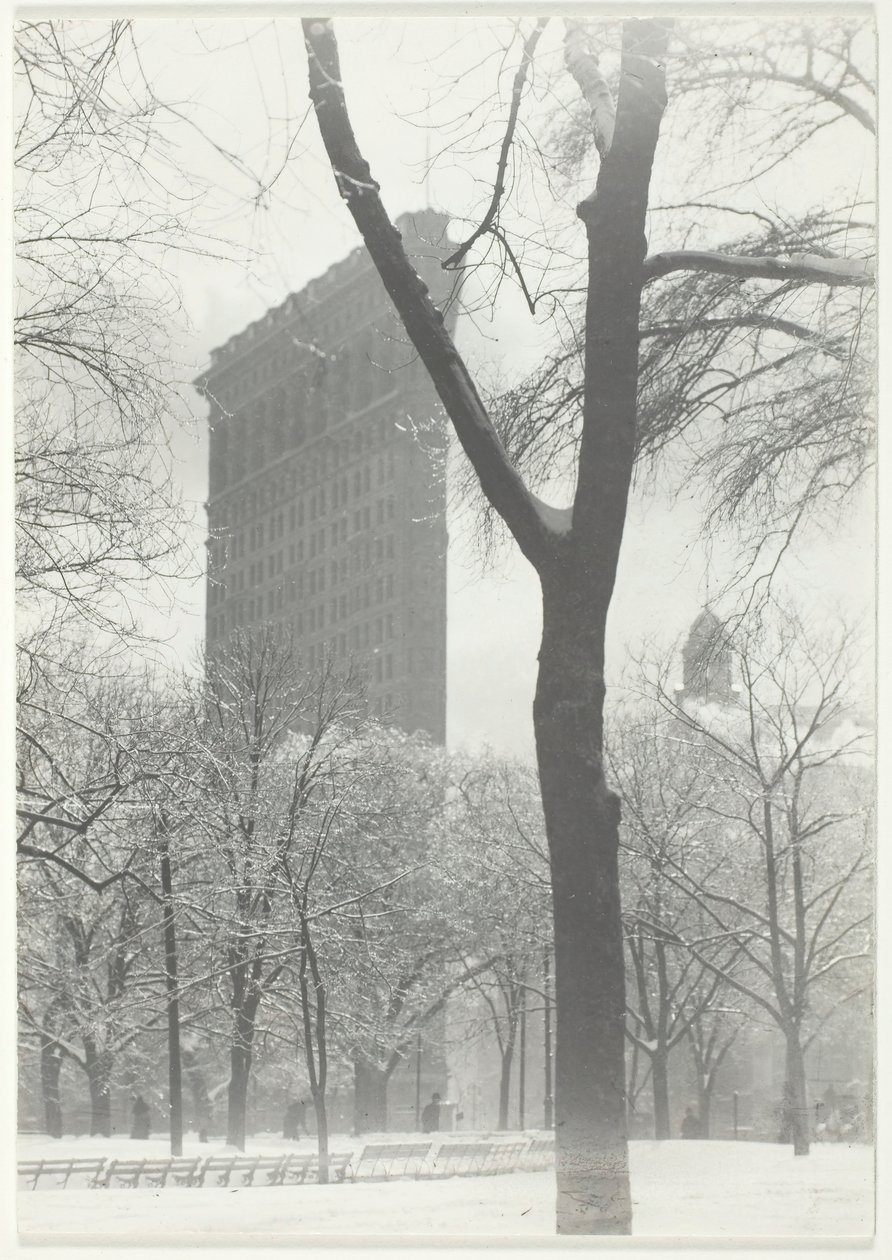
{"x": 680, "y": 1189}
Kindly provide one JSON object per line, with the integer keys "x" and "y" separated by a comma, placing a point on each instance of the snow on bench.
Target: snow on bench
{"x": 503, "y": 1157}
{"x": 127, "y": 1172}
{"x": 298, "y": 1170}
{"x": 243, "y": 1167}
{"x": 460, "y": 1159}
{"x": 32, "y": 1170}
{"x": 396, "y": 1159}
{"x": 540, "y": 1155}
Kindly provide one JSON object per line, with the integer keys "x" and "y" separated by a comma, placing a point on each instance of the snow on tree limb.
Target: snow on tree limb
{"x": 499, "y": 479}
{"x": 801, "y": 268}
{"x": 583, "y": 66}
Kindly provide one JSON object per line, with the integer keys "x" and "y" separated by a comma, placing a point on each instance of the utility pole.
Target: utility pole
{"x": 418, "y": 1083}
{"x": 549, "y": 1096}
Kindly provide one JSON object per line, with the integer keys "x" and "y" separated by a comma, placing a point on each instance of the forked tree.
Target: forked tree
{"x": 574, "y": 552}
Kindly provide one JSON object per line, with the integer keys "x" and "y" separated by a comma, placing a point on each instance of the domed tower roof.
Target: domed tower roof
{"x": 706, "y": 657}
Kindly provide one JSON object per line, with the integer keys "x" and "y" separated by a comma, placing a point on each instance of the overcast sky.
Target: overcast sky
{"x": 244, "y": 85}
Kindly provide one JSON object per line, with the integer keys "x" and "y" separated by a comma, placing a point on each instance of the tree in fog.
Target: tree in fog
{"x": 672, "y": 996}
{"x": 265, "y": 734}
{"x": 97, "y": 516}
{"x": 780, "y": 873}
{"x": 575, "y": 548}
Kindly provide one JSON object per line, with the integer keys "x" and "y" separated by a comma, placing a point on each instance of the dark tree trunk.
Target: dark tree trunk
{"x": 795, "y": 1116}
{"x": 321, "y": 1113}
{"x": 99, "y": 1070}
{"x": 577, "y": 569}
{"x": 370, "y": 1096}
{"x": 50, "y": 1072}
{"x": 201, "y": 1101}
{"x": 505, "y": 1086}
{"x": 660, "y": 1084}
{"x": 239, "y": 1076}
{"x": 174, "y": 1066}
{"x": 704, "y": 1105}
{"x": 582, "y": 822}
{"x": 98, "y": 1065}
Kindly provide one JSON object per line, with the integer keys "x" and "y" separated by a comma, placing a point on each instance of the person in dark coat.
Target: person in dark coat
{"x": 430, "y": 1117}
{"x": 690, "y": 1125}
{"x": 141, "y": 1118}
{"x": 295, "y": 1121}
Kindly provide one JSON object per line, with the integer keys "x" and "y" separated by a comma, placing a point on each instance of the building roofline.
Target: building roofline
{"x": 317, "y": 292}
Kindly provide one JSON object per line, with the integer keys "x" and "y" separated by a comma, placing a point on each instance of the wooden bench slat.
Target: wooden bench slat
{"x": 388, "y": 1155}
{"x": 64, "y": 1168}
{"x": 156, "y": 1171}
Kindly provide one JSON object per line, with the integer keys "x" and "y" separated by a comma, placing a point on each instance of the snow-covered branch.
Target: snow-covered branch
{"x": 798, "y": 268}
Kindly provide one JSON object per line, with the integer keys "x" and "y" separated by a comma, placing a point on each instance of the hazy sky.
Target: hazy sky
{"x": 244, "y": 84}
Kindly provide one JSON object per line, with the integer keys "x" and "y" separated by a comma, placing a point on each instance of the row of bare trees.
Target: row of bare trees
{"x": 286, "y": 872}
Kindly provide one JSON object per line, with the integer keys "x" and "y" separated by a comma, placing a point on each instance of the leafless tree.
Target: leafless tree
{"x": 782, "y": 875}
{"x": 574, "y": 549}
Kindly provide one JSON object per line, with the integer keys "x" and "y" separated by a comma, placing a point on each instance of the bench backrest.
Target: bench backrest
{"x": 398, "y": 1159}
{"x": 29, "y": 1166}
{"x": 396, "y": 1150}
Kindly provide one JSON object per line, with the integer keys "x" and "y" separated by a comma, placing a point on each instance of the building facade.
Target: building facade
{"x": 327, "y": 494}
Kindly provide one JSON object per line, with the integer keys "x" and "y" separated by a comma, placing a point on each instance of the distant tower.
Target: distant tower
{"x": 706, "y": 658}
{"x": 327, "y": 498}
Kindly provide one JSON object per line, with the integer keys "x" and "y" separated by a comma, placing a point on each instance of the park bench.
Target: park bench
{"x": 503, "y": 1157}
{"x": 299, "y": 1170}
{"x": 392, "y": 1159}
{"x": 156, "y": 1172}
{"x": 460, "y": 1159}
{"x": 540, "y": 1154}
{"x": 88, "y": 1170}
{"x": 244, "y": 1168}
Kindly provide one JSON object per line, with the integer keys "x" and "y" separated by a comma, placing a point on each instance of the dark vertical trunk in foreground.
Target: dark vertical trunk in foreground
{"x": 582, "y": 820}
{"x": 577, "y": 568}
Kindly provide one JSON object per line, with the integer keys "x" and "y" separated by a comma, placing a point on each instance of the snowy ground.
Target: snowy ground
{"x": 680, "y": 1190}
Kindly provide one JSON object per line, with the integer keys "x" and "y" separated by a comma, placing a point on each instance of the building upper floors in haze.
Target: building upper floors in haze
{"x": 327, "y": 491}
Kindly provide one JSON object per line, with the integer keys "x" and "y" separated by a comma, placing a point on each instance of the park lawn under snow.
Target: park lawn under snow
{"x": 679, "y": 1189}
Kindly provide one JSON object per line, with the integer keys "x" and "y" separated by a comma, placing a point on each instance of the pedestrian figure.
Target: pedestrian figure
{"x": 690, "y": 1125}
{"x": 295, "y": 1121}
{"x": 141, "y": 1115}
{"x": 430, "y": 1117}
